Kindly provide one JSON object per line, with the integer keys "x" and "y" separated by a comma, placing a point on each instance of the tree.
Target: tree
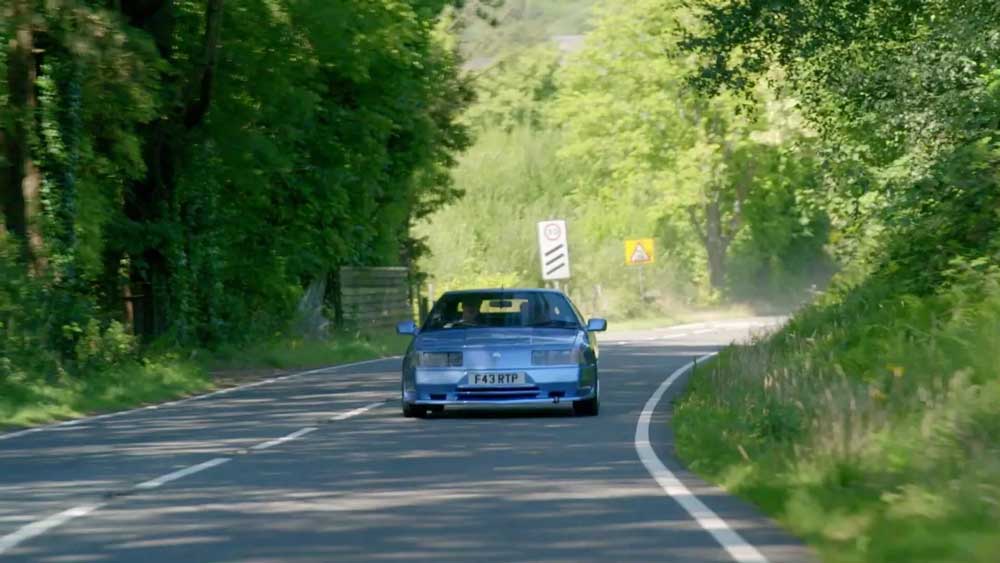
{"x": 903, "y": 93}
{"x": 20, "y": 178}
{"x": 156, "y": 151}
{"x": 651, "y": 147}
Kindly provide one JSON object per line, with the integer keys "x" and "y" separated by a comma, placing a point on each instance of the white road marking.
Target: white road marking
{"x": 39, "y": 527}
{"x": 702, "y": 331}
{"x": 25, "y": 533}
{"x": 356, "y": 412}
{"x": 293, "y": 436}
{"x": 84, "y": 420}
{"x": 673, "y": 336}
{"x": 737, "y": 547}
{"x": 687, "y": 326}
{"x": 160, "y": 481}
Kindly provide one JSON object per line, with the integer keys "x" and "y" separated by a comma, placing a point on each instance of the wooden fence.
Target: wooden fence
{"x": 374, "y": 297}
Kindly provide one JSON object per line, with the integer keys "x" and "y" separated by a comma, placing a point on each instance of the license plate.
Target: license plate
{"x": 494, "y": 379}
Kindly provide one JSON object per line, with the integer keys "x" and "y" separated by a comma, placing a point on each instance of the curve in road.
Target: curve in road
{"x": 321, "y": 467}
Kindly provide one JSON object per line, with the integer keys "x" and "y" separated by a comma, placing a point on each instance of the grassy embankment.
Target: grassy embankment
{"x": 128, "y": 383}
{"x": 868, "y": 426}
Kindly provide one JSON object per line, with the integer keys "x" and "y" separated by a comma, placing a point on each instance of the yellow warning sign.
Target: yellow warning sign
{"x": 639, "y": 251}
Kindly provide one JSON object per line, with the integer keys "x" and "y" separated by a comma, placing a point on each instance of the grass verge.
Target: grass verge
{"x": 869, "y": 426}
{"x": 31, "y": 400}
{"x": 292, "y": 353}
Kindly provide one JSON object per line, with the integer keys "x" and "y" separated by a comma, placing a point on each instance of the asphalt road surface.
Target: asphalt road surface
{"x": 322, "y": 467}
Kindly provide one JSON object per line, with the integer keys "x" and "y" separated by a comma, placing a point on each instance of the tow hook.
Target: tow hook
{"x": 555, "y": 400}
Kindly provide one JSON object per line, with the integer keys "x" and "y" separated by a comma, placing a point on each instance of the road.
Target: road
{"x": 322, "y": 467}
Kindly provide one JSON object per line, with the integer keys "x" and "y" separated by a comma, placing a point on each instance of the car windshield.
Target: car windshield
{"x": 509, "y": 309}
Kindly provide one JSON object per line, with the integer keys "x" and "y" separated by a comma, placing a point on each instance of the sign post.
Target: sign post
{"x": 553, "y": 250}
{"x": 639, "y": 252}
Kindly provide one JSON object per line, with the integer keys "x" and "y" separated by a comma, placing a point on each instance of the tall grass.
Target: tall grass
{"x": 869, "y": 425}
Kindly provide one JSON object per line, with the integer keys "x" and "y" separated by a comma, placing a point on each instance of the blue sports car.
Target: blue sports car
{"x": 501, "y": 347}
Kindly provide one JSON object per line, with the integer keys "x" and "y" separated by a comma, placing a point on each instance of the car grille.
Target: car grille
{"x": 497, "y": 393}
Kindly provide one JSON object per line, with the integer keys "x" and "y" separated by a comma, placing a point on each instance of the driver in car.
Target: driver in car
{"x": 470, "y": 311}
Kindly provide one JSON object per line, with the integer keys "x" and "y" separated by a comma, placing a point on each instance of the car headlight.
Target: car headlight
{"x": 555, "y": 357}
{"x": 439, "y": 359}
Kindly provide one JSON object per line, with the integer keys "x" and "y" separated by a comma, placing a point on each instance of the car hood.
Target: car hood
{"x": 477, "y": 338}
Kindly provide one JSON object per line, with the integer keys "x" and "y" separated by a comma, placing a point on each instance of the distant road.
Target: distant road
{"x": 322, "y": 467}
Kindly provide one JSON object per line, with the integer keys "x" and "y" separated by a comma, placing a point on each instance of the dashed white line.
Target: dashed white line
{"x": 356, "y": 412}
{"x": 293, "y": 436}
{"x": 39, "y": 527}
{"x": 737, "y": 547}
{"x": 25, "y": 533}
{"x": 160, "y": 481}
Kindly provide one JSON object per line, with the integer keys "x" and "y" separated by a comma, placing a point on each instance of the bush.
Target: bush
{"x": 869, "y": 423}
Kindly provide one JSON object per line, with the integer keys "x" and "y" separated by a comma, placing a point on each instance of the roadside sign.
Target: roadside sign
{"x": 639, "y": 251}
{"x": 553, "y": 250}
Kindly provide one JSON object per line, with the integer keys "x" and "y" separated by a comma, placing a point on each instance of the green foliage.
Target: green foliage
{"x": 905, "y": 97}
{"x": 191, "y": 186}
{"x": 128, "y": 384}
{"x": 330, "y": 126}
{"x": 489, "y": 236}
{"x": 25, "y": 344}
{"x": 869, "y": 422}
{"x": 514, "y": 92}
{"x": 614, "y": 140}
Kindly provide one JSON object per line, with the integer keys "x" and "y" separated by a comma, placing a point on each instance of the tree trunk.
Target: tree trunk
{"x": 716, "y": 244}
{"x": 22, "y": 180}
{"x": 153, "y": 200}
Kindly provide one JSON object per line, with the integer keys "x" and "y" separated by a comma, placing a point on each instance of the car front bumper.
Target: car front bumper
{"x": 545, "y": 386}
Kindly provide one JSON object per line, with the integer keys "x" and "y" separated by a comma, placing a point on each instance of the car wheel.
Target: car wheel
{"x": 588, "y": 407}
{"x": 413, "y": 411}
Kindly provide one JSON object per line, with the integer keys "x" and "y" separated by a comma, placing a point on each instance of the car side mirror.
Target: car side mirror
{"x": 597, "y": 325}
{"x": 407, "y": 328}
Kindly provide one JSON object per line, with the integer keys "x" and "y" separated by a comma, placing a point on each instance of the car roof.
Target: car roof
{"x": 503, "y": 290}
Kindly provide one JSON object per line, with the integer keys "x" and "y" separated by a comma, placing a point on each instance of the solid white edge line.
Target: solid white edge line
{"x": 164, "y": 479}
{"x": 737, "y": 547}
{"x": 85, "y": 420}
{"x": 25, "y": 533}
{"x": 293, "y": 436}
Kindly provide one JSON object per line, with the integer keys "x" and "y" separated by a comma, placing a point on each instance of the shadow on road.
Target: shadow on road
{"x": 467, "y": 485}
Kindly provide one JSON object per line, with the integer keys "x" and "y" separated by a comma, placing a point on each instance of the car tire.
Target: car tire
{"x": 589, "y": 407}
{"x": 414, "y": 411}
